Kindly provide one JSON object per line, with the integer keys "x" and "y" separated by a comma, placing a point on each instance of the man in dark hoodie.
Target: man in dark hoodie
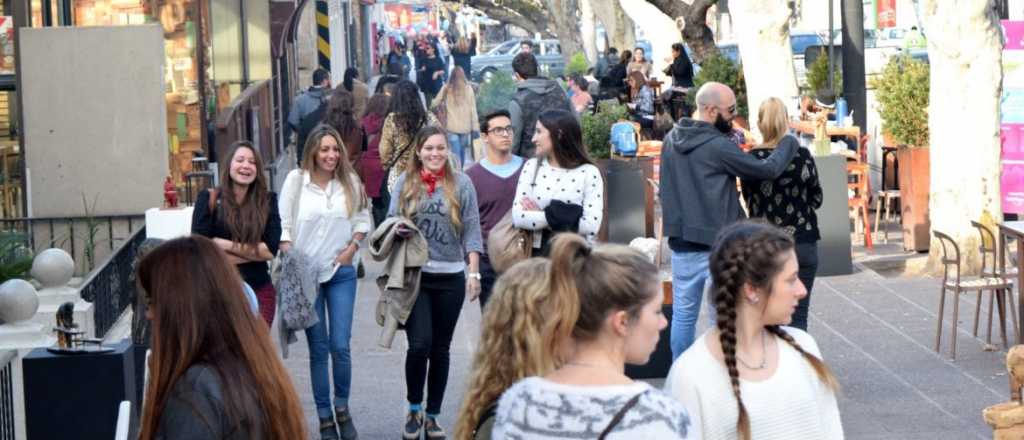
{"x": 699, "y": 167}
{"x": 534, "y": 94}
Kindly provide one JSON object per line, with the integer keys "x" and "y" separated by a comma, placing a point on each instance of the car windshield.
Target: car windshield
{"x": 504, "y": 48}
{"x": 800, "y": 43}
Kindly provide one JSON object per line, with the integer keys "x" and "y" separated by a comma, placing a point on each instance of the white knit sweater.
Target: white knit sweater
{"x": 538, "y": 409}
{"x": 792, "y": 404}
{"x": 582, "y": 186}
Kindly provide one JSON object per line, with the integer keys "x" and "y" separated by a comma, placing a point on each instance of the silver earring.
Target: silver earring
{"x": 754, "y": 300}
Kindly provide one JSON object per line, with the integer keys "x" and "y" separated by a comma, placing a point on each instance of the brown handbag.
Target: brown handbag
{"x": 507, "y": 244}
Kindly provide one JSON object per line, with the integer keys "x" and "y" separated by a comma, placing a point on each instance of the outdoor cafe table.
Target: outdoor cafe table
{"x": 1014, "y": 230}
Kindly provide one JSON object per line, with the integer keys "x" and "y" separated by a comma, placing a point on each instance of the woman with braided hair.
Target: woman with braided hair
{"x": 750, "y": 377}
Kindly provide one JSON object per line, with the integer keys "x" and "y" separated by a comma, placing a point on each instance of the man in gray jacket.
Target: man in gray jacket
{"x": 699, "y": 167}
{"x": 310, "y": 100}
{"x": 534, "y": 95}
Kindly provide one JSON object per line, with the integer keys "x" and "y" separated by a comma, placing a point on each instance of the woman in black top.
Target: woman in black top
{"x": 431, "y": 73}
{"x": 788, "y": 201}
{"x": 241, "y": 217}
{"x": 463, "y": 53}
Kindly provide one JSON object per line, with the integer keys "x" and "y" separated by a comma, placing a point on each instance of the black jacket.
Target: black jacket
{"x": 699, "y": 167}
{"x": 682, "y": 72}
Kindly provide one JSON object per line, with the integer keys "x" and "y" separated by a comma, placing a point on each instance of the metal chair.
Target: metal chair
{"x": 857, "y": 186}
{"x": 884, "y": 201}
{"x": 951, "y": 280}
{"x": 990, "y": 253}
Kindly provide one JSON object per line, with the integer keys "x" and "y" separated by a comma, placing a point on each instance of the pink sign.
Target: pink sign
{"x": 1011, "y": 131}
{"x": 1014, "y": 32}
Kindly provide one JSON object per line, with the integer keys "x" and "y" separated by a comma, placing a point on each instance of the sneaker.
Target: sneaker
{"x": 413, "y": 426}
{"x": 360, "y": 273}
{"x": 328, "y": 429}
{"x": 346, "y": 428}
{"x": 434, "y": 430}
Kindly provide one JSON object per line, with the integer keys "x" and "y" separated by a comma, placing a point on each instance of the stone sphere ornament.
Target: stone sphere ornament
{"x": 18, "y": 301}
{"x": 53, "y": 268}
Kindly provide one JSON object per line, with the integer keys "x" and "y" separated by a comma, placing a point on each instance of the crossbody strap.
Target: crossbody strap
{"x": 620, "y": 415}
{"x": 395, "y": 159}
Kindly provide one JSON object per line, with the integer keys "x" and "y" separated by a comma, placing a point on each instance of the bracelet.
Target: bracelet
{"x": 474, "y": 275}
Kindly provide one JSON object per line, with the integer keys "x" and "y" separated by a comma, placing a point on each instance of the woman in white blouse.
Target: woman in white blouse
{"x": 324, "y": 216}
{"x": 751, "y": 378}
{"x": 560, "y": 190}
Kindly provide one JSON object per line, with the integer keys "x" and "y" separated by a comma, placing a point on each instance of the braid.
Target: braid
{"x": 824, "y": 374}
{"x": 727, "y": 279}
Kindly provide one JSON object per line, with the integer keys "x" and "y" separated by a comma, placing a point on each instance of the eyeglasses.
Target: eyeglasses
{"x": 731, "y": 109}
{"x": 501, "y": 131}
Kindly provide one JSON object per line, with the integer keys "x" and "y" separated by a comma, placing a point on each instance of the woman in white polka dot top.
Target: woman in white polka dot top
{"x": 565, "y": 191}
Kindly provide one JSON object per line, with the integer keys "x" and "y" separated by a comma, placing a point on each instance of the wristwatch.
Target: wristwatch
{"x": 474, "y": 275}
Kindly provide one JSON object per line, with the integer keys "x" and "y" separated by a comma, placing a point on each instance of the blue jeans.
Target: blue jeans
{"x": 689, "y": 273}
{"x": 339, "y": 293}
{"x": 459, "y": 144}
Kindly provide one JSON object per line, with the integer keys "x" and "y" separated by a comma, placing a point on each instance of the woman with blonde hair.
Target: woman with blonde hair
{"x": 613, "y": 298}
{"x": 523, "y": 334}
{"x": 325, "y": 218}
{"x": 790, "y": 200}
{"x": 441, "y": 201}
{"x": 458, "y": 103}
{"x": 214, "y": 374}
{"x": 750, "y": 377}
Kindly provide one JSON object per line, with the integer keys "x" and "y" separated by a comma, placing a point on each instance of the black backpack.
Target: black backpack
{"x": 306, "y": 126}
{"x": 531, "y": 105}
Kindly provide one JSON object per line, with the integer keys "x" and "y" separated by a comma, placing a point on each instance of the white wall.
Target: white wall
{"x": 95, "y": 118}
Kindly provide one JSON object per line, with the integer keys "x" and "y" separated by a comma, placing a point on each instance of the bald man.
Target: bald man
{"x": 699, "y": 167}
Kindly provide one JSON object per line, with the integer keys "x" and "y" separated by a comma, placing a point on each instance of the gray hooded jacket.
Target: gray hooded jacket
{"x": 533, "y": 97}
{"x": 699, "y": 167}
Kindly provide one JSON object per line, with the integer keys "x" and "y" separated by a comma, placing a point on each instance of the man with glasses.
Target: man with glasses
{"x": 699, "y": 167}
{"x": 495, "y": 178}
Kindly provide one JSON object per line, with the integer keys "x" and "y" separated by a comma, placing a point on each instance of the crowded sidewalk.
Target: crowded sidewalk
{"x": 876, "y": 333}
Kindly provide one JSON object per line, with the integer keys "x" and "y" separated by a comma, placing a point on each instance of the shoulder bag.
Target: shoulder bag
{"x": 619, "y": 416}
{"x": 507, "y": 244}
{"x": 275, "y": 269}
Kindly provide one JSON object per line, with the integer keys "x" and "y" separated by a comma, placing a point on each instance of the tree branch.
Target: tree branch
{"x": 525, "y": 15}
{"x": 696, "y": 32}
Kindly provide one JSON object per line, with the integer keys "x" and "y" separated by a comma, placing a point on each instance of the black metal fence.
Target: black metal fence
{"x": 110, "y": 288}
{"x": 87, "y": 239}
{"x": 7, "y": 394}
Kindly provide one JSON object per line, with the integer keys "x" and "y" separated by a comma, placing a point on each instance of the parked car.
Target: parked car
{"x": 891, "y": 37}
{"x": 499, "y": 59}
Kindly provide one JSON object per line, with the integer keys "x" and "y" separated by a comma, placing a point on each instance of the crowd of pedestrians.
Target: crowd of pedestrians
{"x": 384, "y": 172}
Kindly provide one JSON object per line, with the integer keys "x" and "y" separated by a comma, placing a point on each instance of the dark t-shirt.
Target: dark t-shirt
{"x": 207, "y": 224}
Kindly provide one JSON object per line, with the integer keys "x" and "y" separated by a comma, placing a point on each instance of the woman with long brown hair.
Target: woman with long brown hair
{"x": 750, "y": 377}
{"x": 441, "y": 201}
{"x": 241, "y": 218}
{"x": 213, "y": 370}
{"x": 324, "y": 217}
{"x": 523, "y": 333}
{"x": 458, "y": 102}
{"x": 370, "y": 163}
{"x": 341, "y": 116}
{"x": 611, "y": 308}
{"x": 406, "y": 116}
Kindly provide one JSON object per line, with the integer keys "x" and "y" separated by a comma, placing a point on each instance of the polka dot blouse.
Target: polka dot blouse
{"x": 582, "y": 186}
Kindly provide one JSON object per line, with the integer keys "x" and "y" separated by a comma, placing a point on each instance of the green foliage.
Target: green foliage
{"x": 597, "y": 128}
{"x": 577, "y": 64}
{"x": 495, "y": 94}
{"x": 718, "y": 68}
{"x": 817, "y": 77}
{"x": 902, "y": 94}
{"x": 15, "y": 256}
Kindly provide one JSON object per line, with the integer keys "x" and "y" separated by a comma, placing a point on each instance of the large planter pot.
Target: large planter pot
{"x": 625, "y": 179}
{"x": 914, "y": 178}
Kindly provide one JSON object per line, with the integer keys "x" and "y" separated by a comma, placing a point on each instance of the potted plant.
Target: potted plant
{"x": 902, "y": 94}
{"x": 720, "y": 69}
{"x": 817, "y": 78}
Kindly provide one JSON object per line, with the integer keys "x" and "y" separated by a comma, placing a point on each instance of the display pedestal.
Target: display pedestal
{"x": 167, "y": 224}
{"x": 661, "y": 359}
{"x": 834, "y": 250}
{"x": 77, "y": 396}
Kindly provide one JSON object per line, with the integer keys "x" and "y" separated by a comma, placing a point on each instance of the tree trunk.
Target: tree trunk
{"x": 963, "y": 121}
{"x": 618, "y": 24}
{"x": 762, "y": 29}
{"x": 661, "y": 30}
{"x": 696, "y": 32}
{"x": 589, "y": 31}
{"x": 563, "y": 21}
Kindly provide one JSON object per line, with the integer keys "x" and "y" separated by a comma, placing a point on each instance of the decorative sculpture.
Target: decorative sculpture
{"x": 170, "y": 194}
{"x": 1007, "y": 419}
{"x": 70, "y": 340}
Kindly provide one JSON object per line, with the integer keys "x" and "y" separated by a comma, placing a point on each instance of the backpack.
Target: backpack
{"x": 531, "y": 105}
{"x": 306, "y": 126}
{"x": 624, "y": 138}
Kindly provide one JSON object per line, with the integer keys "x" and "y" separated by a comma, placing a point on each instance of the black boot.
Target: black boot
{"x": 346, "y": 428}
{"x": 328, "y": 429}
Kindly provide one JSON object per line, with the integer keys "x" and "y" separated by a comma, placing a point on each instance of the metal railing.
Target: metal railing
{"x": 7, "y": 394}
{"x": 110, "y": 288}
{"x": 87, "y": 239}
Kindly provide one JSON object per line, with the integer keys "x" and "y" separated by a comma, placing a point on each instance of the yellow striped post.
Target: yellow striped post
{"x": 323, "y": 35}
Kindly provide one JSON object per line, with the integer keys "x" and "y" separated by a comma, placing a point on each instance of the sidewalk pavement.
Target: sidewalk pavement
{"x": 876, "y": 333}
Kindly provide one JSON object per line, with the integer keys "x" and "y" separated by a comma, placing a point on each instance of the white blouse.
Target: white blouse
{"x": 792, "y": 404}
{"x": 582, "y": 186}
{"x": 324, "y": 226}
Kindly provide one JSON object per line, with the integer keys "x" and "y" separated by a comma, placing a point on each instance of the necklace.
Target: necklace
{"x": 764, "y": 355}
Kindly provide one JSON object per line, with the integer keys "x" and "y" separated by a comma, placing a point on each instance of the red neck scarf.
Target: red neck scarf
{"x": 431, "y": 179}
